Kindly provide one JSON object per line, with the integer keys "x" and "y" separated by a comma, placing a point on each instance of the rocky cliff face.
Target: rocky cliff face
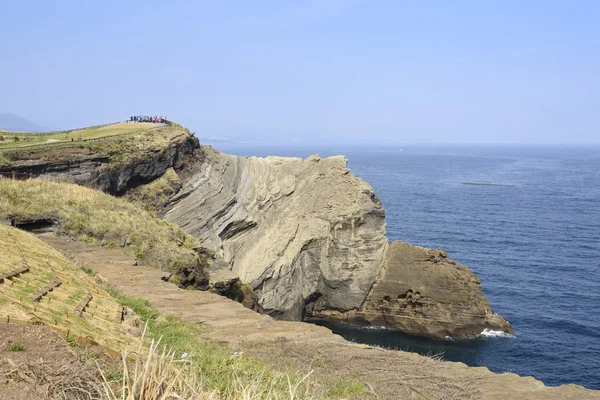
{"x": 295, "y": 230}
{"x": 309, "y": 237}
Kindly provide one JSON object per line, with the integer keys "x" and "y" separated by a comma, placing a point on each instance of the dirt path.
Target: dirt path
{"x": 389, "y": 374}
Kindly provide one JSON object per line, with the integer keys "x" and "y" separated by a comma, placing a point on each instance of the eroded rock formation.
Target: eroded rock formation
{"x": 295, "y": 230}
{"x": 422, "y": 292}
{"x": 309, "y": 237}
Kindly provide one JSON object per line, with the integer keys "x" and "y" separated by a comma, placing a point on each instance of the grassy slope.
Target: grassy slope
{"x": 100, "y": 219}
{"x": 155, "y": 195}
{"x": 57, "y": 308}
{"x": 213, "y": 370}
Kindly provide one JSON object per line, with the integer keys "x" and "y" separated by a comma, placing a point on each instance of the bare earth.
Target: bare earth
{"x": 390, "y": 374}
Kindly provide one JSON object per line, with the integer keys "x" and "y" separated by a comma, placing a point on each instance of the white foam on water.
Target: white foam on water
{"x": 489, "y": 333}
{"x": 372, "y": 327}
{"x": 448, "y": 338}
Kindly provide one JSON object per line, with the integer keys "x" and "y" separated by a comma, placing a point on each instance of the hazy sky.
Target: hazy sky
{"x": 398, "y": 71}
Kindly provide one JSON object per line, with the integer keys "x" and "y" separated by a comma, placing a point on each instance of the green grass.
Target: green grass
{"x": 346, "y": 388}
{"x": 88, "y": 270}
{"x": 101, "y": 220}
{"x": 16, "y": 346}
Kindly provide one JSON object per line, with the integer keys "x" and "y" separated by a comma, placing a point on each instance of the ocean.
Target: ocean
{"x": 534, "y": 241}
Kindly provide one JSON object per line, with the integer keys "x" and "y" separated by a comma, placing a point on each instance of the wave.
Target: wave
{"x": 490, "y": 333}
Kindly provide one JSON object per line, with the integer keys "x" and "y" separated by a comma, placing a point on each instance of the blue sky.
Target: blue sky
{"x": 391, "y": 71}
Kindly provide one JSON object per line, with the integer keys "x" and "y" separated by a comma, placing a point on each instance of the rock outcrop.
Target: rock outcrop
{"x": 422, "y": 292}
{"x": 295, "y": 230}
{"x": 309, "y": 237}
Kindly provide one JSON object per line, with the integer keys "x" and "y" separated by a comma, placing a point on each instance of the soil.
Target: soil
{"x": 389, "y": 374}
{"x": 45, "y": 366}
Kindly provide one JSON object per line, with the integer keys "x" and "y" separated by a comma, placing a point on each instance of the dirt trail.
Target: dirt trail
{"x": 389, "y": 374}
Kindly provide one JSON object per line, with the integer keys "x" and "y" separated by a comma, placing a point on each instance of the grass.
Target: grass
{"x": 56, "y": 308}
{"x": 211, "y": 367}
{"x": 155, "y": 195}
{"x": 16, "y": 346}
{"x": 346, "y": 388}
{"x": 101, "y": 220}
{"x": 88, "y": 270}
{"x": 27, "y": 139}
{"x": 120, "y": 142}
{"x": 208, "y": 370}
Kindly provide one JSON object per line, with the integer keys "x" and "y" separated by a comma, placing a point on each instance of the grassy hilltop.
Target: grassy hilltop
{"x": 119, "y": 141}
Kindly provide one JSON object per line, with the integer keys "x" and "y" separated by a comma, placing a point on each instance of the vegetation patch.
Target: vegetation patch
{"x": 154, "y": 196}
{"x": 16, "y": 346}
{"x": 102, "y": 220}
{"x": 346, "y": 388}
{"x": 121, "y": 143}
{"x": 221, "y": 372}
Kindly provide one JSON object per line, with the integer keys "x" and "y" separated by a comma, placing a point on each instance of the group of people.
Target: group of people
{"x": 145, "y": 118}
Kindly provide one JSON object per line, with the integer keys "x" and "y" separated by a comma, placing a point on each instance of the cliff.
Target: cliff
{"x": 113, "y": 163}
{"x": 309, "y": 237}
{"x": 295, "y": 230}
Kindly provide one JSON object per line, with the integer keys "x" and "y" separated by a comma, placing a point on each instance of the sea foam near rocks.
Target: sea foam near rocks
{"x": 490, "y": 333}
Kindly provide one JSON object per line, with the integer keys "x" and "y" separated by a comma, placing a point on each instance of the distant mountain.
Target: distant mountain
{"x": 15, "y": 123}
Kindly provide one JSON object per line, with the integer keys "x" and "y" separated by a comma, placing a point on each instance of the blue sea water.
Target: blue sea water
{"x": 534, "y": 243}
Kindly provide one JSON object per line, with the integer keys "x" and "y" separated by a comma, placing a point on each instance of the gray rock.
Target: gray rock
{"x": 293, "y": 229}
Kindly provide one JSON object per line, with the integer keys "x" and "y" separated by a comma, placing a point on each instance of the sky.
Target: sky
{"x": 324, "y": 70}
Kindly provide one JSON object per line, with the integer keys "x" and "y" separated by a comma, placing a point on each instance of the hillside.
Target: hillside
{"x": 99, "y": 219}
{"x": 93, "y": 325}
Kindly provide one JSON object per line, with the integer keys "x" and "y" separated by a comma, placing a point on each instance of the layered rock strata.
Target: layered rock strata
{"x": 295, "y": 230}
{"x": 309, "y": 237}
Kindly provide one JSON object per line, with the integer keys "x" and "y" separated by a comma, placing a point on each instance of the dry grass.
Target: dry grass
{"x": 204, "y": 368}
{"x": 59, "y": 380}
{"x": 155, "y": 195}
{"x": 100, "y": 219}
